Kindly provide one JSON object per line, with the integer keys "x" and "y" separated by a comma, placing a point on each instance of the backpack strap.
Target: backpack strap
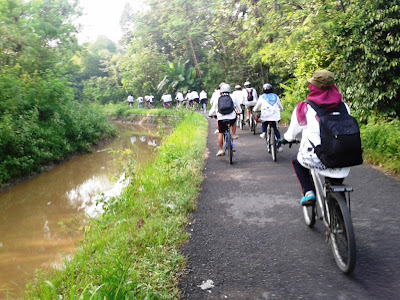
{"x": 321, "y": 111}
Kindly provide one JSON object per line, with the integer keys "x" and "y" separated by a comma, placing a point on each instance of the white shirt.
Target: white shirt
{"x": 269, "y": 112}
{"x": 310, "y": 132}
{"x": 166, "y": 98}
{"x": 255, "y": 96}
{"x": 130, "y": 98}
{"x": 140, "y": 99}
{"x": 179, "y": 96}
{"x": 189, "y": 96}
{"x": 195, "y": 95}
{"x": 239, "y": 97}
{"x": 203, "y": 95}
{"x": 215, "y": 96}
{"x": 231, "y": 116}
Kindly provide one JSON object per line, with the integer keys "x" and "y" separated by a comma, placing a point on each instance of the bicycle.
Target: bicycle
{"x": 252, "y": 122}
{"x": 332, "y": 206}
{"x": 240, "y": 119}
{"x": 228, "y": 141}
{"x": 271, "y": 140}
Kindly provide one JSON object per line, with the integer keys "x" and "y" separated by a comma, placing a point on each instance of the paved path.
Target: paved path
{"x": 249, "y": 237}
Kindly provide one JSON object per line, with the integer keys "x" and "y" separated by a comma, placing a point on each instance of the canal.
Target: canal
{"x": 42, "y": 219}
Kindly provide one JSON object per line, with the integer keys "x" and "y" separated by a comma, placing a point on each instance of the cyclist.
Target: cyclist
{"x": 251, "y": 98}
{"x": 203, "y": 100}
{"x": 271, "y": 108}
{"x": 140, "y": 102}
{"x": 215, "y": 95}
{"x": 152, "y": 100}
{"x": 130, "y": 100}
{"x": 239, "y": 96}
{"x": 179, "y": 98}
{"x": 304, "y": 119}
{"x": 225, "y": 92}
{"x": 167, "y": 100}
{"x": 195, "y": 98}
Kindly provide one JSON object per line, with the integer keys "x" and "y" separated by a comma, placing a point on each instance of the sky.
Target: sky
{"x": 101, "y": 17}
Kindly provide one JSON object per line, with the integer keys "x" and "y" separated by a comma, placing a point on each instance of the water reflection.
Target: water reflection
{"x": 41, "y": 219}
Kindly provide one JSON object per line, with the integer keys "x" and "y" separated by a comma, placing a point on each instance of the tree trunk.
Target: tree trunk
{"x": 195, "y": 62}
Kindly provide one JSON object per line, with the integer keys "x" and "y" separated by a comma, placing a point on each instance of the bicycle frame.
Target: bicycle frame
{"x": 320, "y": 193}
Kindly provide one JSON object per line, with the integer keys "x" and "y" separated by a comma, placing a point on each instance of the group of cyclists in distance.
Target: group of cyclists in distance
{"x": 264, "y": 109}
{"x": 192, "y": 99}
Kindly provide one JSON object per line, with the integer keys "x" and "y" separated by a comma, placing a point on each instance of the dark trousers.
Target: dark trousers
{"x": 304, "y": 176}
{"x": 264, "y": 126}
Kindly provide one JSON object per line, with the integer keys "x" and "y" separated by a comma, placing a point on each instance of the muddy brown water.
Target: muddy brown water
{"x": 41, "y": 220}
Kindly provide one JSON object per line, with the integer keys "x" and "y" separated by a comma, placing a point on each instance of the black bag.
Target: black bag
{"x": 225, "y": 105}
{"x": 250, "y": 95}
{"x": 340, "y": 137}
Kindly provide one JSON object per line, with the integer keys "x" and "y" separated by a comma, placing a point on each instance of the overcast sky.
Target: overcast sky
{"x": 101, "y": 17}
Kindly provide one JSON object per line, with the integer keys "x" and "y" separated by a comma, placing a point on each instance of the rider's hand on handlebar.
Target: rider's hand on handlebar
{"x": 282, "y": 141}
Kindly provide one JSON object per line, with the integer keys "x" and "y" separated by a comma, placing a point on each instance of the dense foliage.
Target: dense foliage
{"x": 277, "y": 41}
{"x": 39, "y": 120}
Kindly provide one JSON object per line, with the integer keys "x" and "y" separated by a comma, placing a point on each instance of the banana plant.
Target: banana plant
{"x": 177, "y": 77}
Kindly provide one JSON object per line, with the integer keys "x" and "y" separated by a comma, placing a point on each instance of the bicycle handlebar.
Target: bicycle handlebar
{"x": 284, "y": 142}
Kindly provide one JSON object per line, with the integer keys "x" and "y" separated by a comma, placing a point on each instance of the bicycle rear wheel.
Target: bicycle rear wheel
{"x": 272, "y": 142}
{"x": 342, "y": 236}
{"x": 309, "y": 215}
{"x": 229, "y": 145}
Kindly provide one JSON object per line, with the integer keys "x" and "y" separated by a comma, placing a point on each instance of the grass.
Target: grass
{"x": 132, "y": 250}
{"x": 381, "y": 143}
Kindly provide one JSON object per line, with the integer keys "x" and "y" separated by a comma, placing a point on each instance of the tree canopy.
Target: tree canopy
{"x": 276, "y": 41}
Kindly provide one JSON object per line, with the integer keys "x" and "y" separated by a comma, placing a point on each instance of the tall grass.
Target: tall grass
{"x": 132, "y": 250}
{"x": 381, "y": 142}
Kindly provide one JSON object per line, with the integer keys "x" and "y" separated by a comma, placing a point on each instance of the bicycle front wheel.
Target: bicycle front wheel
{"x": 342, "y": 236}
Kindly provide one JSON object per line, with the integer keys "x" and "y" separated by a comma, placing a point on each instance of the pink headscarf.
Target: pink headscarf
{"x": 326, "y": 98}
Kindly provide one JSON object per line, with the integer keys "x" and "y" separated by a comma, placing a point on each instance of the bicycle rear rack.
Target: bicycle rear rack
{"x": 343, "y": 189}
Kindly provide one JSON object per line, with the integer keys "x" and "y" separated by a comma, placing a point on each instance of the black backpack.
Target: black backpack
{"x": 250, "y": 95}
{"x": 340, "y": 137}
{"x": 225, "y": 104}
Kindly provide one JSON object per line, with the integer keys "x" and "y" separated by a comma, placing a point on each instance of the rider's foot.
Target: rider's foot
{"x": 247, "y": 120}
{"x": 308, "y": 199}
{"x": 262, "y": 135}
{"x": 220, "y": 153}
{"x": 280, "y": 149}
{"x": 235, "y": 137}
